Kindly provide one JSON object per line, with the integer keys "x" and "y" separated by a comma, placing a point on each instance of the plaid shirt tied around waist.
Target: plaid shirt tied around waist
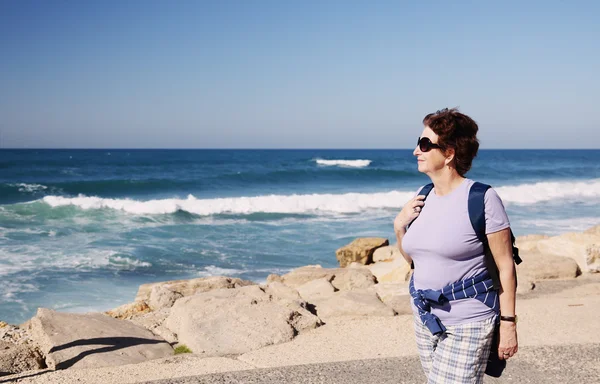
{"x": 479, "y": 287}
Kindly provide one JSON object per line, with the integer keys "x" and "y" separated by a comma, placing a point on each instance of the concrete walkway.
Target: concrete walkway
{"x": 543, "y": 365}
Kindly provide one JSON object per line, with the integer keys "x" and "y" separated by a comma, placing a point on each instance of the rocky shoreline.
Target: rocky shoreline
{"x": 223, "y": 317}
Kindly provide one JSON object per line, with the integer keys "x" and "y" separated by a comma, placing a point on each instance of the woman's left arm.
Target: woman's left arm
{"x": 501, "y": 247}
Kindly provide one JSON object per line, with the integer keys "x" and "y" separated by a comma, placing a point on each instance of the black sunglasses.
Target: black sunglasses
{"x": 425, "y": 145}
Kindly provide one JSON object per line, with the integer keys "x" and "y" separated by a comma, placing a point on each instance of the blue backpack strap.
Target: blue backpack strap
{"x": 477, "y": 217}
{"x": 477, "y": 209}
{"x": 424, "y": 191}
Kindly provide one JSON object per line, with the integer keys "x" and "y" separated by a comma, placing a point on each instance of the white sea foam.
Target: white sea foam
{"x": 18, "y": 285}
{"x": 548, "y": 191}
{"x": 322, "y": 203}
{"x": 34, "y": 258}
{"x": 213, "y": 270}
{"x": 29, "y": 188}
{"x": 344, "y": 163}
{"x": 292, "y": 204}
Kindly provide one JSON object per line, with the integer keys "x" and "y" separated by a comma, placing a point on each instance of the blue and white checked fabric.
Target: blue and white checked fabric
{"x": 479, "y": 287}
{"x": 459, "y": 355}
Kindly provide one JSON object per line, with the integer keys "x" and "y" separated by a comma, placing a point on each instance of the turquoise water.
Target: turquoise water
{"x": 80, "y": 230}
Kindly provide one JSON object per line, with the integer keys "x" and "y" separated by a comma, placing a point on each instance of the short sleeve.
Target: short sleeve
{"x": 496, "y": 218}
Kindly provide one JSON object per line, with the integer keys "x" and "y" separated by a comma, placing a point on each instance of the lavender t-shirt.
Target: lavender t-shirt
{"x": 445, "y": 248}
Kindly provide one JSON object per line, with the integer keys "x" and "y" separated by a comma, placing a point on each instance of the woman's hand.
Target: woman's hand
{"x": 409, "y": 212}
{"x": 508, "y": 345}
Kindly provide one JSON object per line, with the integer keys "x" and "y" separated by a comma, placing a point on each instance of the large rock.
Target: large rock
{"x": 162, "y": 297}
{"x": 290, "y": 298}
{"x": 129, "y": 310}
{"x": 315, "y": 289}
{"x": 401, "y": 304}
{"x": 93, "y": 340}
{"x": 387, "y": 253}
{"x": 360, "y": 250}
{"x": 529, "y": 242}
{"x": 192, "y": 286}
{"x": 235, "y": 321}
{"x": 394, "y": 271}
{"x": 352, "y": 279}
{"x": 593, "y": 231}
{"x": 302, "y": 275}
{"x": 16, "y": 358}
{"x": 16, "y": 334}
{"x": 395, "y": 296}
{"x": 154, "y": 322}
{"x": 537, "y": 266}
{"x": 351, "y": 303}
{"x": 584, "y": 248}
{"x": 340, "y": 278}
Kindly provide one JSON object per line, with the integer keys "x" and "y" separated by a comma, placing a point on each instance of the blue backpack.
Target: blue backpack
{"x": 477, "y": 217}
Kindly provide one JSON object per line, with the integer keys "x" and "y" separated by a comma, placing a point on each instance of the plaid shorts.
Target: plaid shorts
{"x": 458, "y": 355}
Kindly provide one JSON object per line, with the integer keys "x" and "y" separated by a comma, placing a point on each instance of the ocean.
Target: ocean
{"x": 80, "y": 230}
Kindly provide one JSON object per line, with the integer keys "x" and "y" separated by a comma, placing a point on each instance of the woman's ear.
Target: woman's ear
{"x": 449, "y": 156}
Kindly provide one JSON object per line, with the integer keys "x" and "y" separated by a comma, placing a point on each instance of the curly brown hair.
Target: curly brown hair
{"x": 456, "y": 131}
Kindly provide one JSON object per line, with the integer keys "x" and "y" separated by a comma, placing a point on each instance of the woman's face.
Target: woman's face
{"x": 432, "y": 161}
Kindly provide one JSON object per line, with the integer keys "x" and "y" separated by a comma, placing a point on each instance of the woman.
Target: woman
{"x": 444, "y": 248}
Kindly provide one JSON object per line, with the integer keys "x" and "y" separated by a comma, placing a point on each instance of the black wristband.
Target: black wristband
{"x": 512, "y": 319}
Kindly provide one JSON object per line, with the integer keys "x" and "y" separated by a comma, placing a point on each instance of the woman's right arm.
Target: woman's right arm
{"x": 409, "y": 212}
{"x": 399, "y": 235}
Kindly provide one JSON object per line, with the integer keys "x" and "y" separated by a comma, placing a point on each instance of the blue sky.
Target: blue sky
{"x": 295, "y": 74}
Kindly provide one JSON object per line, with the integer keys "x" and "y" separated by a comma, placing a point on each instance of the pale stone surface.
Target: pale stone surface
{"x": 387, "y": 253}
{"x": 592, "y": 257}
{"x": 529, "y": 242}
{"x": 290, "y": 298}
{"x": 395, "y": 296}
{"x": 525, "y": 285}
{"x": 386, "y": 291}
{"x": 281, "y": 291}
{"x": 352, "y": 279}
{"x": 401, "y": 304}
{"x": 273, "y": 277}
{"x": 360, "y": 250}
{"x": 233, "y": 321}
{"x": 93, "y": 340}
{"x": 354, "y": 264}
{"x": 15, "y": 334}
{"x": 129, "y": 310}
{"x": 154, "y": 322}
{"x": 394, "y": 271}
{"x": 316, "y": 288}
{"x": 299, "y": 276}
{"x": 162, "y": 297}
{"x": 16, "y": 358}
{"x": 537, "y": 266}
{"x": 581, "y": 247}
{"x": 351, "y": 303}
{"x": 593, "y": 231}
{"x": 340, "y": 278}
{"x": 190, "y": 287}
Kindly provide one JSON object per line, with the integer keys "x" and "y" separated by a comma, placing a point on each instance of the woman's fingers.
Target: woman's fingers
{"x": 506, "y": 353}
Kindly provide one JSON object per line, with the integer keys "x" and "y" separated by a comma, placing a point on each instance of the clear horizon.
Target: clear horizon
{"x": 276, "y": 75}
